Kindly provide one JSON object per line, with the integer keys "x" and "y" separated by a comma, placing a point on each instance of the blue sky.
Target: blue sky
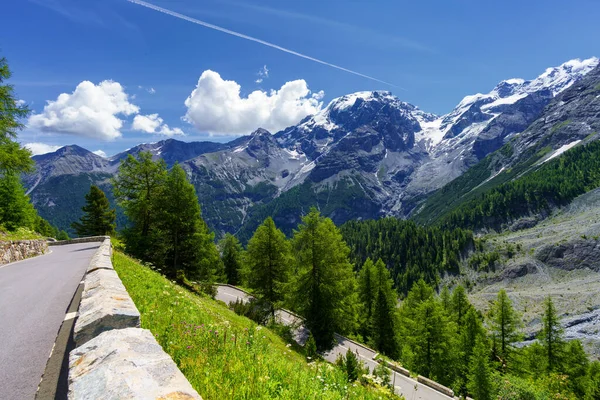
{"x": 433, "y": 52}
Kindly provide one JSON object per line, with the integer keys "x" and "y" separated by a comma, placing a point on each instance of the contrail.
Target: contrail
{"x": 253, "y": 39}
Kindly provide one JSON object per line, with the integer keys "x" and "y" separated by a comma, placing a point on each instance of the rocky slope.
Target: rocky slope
{"x": 365, "y": 155}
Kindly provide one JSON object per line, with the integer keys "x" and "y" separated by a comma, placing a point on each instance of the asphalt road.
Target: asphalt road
{"x": 34, "y": 296}
{"x": 409, "y": 388}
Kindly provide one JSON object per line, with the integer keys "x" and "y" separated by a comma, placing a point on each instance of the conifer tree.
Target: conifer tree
{"x": 470, "y": 333}
{"x": 460, "y": 304}
{"x": 504, "y": 326}
{"x": 324, "y": 284}
{"x": 15, "y": 208}
{"x": 480, "y": 374}
{"x": 98, "y": 218}
{"x": 137, "y": 187}
{"x": 384, "y": 313}
{"x": 367, "y": 296}
{"x": 185, "y": 244}
{"x": 352, "y": 366}
{"x": 551, "y": 336}
{"x": 446, "y": 300}
{"x": 268, "y": 263}
{"x": 14, "y": 159}
{"x": 231, "y": 255}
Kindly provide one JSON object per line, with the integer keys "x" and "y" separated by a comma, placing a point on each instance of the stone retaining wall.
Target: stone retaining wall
{"x": 115, "y": 358}
{"x": 21, "y": 249}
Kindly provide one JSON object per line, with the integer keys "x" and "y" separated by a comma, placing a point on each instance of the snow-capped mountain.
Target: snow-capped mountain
{"x": 364, "y": 155}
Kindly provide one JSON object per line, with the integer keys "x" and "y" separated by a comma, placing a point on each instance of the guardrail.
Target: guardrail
{"x": 115, "y": 358}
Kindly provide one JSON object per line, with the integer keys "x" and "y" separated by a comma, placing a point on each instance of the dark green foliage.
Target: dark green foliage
{"x": 469, "y": 335}
{"x": 137, "y": 188}
{"x": 14, "y": 159}
{"x": 551, "y": 337}
{"x": 480, "y": 373}
{"x": 484, "y": 261}
{"x": 460, "y": 305}
{"x": 367, "y": 295}
{"x": 342, "y": 200}
{"x": 98, "y": 218}
{"x": 384, "y": 323}
{"x": 352, "y": 366}
{"x": 323, "y": 289}
{"x": 15, "y": 209}
{"x": 231, "y": 255}
{"x": 575, "y": 366}
{"x": 268, "y": 261}
{"x": 310, "y": 347}
{"x": 555, "y": 183}
{"x": 411, "y": 252}
{"x": 184, "y": 242}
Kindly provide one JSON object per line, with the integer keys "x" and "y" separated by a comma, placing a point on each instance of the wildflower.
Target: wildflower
{"x": 288, "y": 345}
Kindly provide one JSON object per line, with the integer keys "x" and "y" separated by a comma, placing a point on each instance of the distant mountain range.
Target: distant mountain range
{"x": 365, "y": 155}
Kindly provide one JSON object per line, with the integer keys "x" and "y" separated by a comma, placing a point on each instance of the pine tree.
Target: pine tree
{"x": 480, "y": 375}
{"x": 137, "y": 187}
{"x": 98, "y": 218}
{"x": 504, "y": 326}
{"x": 185, "y": 244}
{"x": 592, "y": 390}
{"x": 367, "y": 296}
{"x": 231, "y": 255}
{"x": 551, "y": 337}
{"x": 324, "y": 283}
{"x": 268, "y": 261}
{"x": 384, "y": 313}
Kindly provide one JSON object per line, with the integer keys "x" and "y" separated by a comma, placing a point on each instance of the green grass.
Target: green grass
{"x": 19, "y": 234}
{"x": 226, "y": 356}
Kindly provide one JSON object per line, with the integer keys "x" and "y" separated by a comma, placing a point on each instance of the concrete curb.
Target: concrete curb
{"x": 115, "y": 358}
{"x": 79, "y": 240}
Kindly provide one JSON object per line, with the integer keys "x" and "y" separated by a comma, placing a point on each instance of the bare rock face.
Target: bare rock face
{"x": 125, "y": 364}
{"x": 19, "y": 250}
{"x": 105, "y": 305}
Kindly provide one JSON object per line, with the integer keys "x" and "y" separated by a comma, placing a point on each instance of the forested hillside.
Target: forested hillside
{"x": 411, "y": 252}
{"x": 554, "y": 184}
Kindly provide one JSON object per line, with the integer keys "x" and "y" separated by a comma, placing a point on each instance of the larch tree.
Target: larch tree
{"x": 137, "y": 187}
{"x": 231, "y": 255}
{"x": 460, "y": 304}
{"x": 324, "y": 287}
{"x": 367, "y": 296}
{"x": 469, "y": 334}
{"x": 480, "y": 372}
{"x": 384, "y": 318}
{"x": 551, "y": 337}
{"x": 268, "y": 263}
{"x": 98, "y": 217}
{"x": 504, "y": 324}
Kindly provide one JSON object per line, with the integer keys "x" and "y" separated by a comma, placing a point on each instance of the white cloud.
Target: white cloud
{"x": 37, "y": 148}
{"x": 20, "y": 102}
{"x": 263, "y": 72}
{"x": 91, "y": 111}
{"x": 215, "y": 106}
{"x": 153, "y": 124}
{"x": 151, "y": 90}
{"x": 99, "y": 153}
{"x": 259, "y": 80}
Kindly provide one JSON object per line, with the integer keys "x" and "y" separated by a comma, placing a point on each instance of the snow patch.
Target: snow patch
{"x": 561, "y": 150}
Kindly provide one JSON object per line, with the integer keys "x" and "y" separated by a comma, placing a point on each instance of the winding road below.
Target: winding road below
{"x": 34, "y": 297}
{"x": 403, "y": 385}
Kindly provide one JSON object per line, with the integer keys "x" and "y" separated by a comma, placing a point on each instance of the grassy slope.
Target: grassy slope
{"x": 19, "y": 234}
{"x": 223, "y": 355}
